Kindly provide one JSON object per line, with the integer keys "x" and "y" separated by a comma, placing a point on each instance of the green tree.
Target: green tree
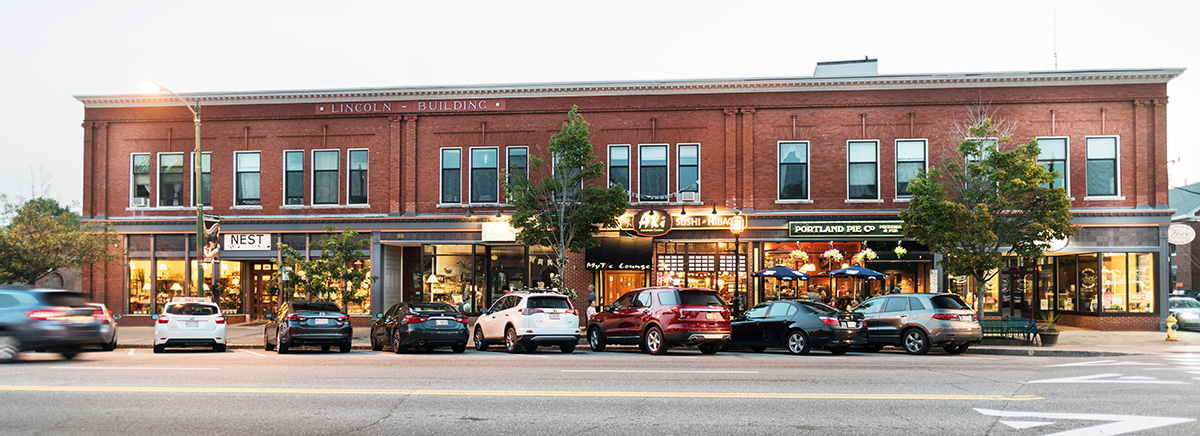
{"x": 337, "y": 275}
{"x": 42, "y": 236}
{"x": 561, "y": 211}
{"x": 985, "y": 201}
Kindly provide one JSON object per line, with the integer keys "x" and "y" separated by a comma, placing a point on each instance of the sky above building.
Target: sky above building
{"x": 53, "y": 50}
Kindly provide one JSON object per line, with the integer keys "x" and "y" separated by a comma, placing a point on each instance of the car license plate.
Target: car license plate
{"x": 80, "y": 320}
{"x": 441, "y": 322}
{"x": 321, "y": 321}
{"x": 967, "y": 318}
{"x": 711, "y": 315}
{"x": 191, "y": 323}
{"x": 555, "y": 316}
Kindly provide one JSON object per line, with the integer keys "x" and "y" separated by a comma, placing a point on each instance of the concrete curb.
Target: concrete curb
{"x": 1045, "y": 352}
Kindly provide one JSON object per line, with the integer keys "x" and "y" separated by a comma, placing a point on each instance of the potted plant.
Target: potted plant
{"x": 1048, "y": 332}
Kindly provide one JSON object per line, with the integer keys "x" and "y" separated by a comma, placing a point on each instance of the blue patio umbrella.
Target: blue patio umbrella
{"x": 857, "y": 272}
{"x": 782, "y": 272}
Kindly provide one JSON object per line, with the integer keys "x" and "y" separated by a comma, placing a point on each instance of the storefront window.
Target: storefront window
{"x": 1088, "y": 281}
{"x": 1046, "y": 283}
{"x": 141, "y": 283}
{"x": 171, "y": 276}
{"x": 1141, "y": 282}
{"x": 1114, "y": 272}
{"x": 229, "y": 287}
{"x": 360, "y": 302}
{"x": 1066, "y": 283}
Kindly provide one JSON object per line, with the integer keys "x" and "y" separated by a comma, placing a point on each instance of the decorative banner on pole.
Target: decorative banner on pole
{"x": 212, "y": 238}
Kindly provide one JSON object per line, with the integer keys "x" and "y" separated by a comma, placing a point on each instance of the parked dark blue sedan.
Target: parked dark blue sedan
{"x": 798, "y": 326}
{"x": 416, "y": 324}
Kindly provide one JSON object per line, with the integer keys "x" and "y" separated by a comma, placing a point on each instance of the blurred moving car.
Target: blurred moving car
{"x": 38, "y": 319}
{"x": 916, "y": 322}
{"x": 1186, "y": 311}
{"x": 416, "y": 324}
{"x": 524, "y": 320}
{"x": 189, "y": 322}
{"x": 657, "y": 318}
{"x": 300, "y": 323}
{"x": 798, "y": 326}
{"x": 108, "y": 326}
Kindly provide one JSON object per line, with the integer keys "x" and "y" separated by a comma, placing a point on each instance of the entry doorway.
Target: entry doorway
{"x": 620, "y": 282}
{"x": 263, "y": 290}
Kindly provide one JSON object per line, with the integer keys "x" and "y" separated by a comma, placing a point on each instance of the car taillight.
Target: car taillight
{"x": 531, "y": 311}
{"x": 99, "y": 314}
{"x": 570, "y": 311}
{"x": 295, "y": 317}
{"x": 676, "y": 311}
{"x": 220, "y": 319}
{"x": 829, "y": 321}
{"x": 462, "y": 319}
{"x": 343, "y": 318}
{"x": 46, "y": 315}
{"x": 945, "y": 316}
{"x": 162, "y": 319}
{"x": 415, "y": 319}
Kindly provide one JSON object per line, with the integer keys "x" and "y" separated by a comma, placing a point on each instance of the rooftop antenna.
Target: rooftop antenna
{"x": 1055, "y": 31}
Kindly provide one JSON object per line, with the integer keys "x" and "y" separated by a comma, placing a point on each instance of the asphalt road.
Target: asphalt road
{"x": 133, "y": 391}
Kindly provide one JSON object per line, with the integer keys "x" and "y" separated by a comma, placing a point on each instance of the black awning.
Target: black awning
{"x": 635, "y": 254}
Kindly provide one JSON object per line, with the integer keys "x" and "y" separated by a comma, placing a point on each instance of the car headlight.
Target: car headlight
{"x": 1189, "y": 315}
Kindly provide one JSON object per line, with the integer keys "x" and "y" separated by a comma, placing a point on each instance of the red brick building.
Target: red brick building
{"x": 815, "y": 163}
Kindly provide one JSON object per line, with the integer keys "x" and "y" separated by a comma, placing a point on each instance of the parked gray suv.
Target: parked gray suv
{"x": 916, "y": 322}
{"x": 55, "y": 320}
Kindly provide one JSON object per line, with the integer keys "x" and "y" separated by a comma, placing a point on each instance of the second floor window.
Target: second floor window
{"x": 910, "y": 160}
{"x": 1054, "y": 158}
{"x": 518, "y": 162}
{"x": 793, "y": 170}
{"x": 1102, "y": 166}
{"x": 170, "y": 179}
{"x": 205, "y": 178}
{"x": 141, "y": 180}
{"x": 484, "y": 175}
{"x": 618, "y": 166}
{"x": 451, "y": 175}
{"x": 325, "y": 177}
{"x": 358, "y": 176}
{"x": 652, "y": 173}
{"x": 247, "y": 167}
{"x": 689, "y": 168}
{"x": 293, "y": 178}
{"x": 863, "y": 171}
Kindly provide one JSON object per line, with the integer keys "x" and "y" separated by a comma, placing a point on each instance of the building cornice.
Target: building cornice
{"x": 660, "y": 87}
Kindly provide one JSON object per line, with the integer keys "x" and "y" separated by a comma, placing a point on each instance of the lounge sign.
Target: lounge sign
{"x": 845, "y": 229}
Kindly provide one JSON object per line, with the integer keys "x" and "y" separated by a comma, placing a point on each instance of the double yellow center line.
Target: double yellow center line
{"x": 500, "y": 393}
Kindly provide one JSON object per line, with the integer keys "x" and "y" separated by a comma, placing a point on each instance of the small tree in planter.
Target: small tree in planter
{"x": 1048, "y": 332}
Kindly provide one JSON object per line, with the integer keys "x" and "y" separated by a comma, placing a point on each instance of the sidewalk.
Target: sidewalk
{"x": 1071, "y": 342}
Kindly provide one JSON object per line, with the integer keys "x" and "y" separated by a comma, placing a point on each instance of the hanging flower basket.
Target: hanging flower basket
{"x": 798, "y": 255}
{"x": 900, "y": 251}
{"x": 832, "y": 255}
{"x": 865, "y": 255}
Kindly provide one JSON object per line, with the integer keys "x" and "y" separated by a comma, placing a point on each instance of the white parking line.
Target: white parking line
{"x": 136, "y": 368}
{"x": 251, "y": 352}
{"x": 653, "y": 371}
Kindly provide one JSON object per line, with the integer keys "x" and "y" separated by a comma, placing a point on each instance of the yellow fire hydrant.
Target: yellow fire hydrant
{"x": 1171, "y": 328}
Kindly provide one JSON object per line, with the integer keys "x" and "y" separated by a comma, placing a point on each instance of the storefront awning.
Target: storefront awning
{"x": 635, "y": 254}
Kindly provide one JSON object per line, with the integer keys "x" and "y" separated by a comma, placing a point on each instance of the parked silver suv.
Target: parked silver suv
{"x": 915, "y": 322}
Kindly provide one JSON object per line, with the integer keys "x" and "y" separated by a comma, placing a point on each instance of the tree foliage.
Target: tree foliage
{"x": 42, "y": 236}
{"x": 338, "y": 275}
{"x": 984, "y": 202}
{"x": 560, "y": 212}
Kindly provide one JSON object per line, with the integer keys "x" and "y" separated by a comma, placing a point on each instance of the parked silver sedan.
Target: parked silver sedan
{"x": 108, "y": 326}
{"x": 916, "y": 322}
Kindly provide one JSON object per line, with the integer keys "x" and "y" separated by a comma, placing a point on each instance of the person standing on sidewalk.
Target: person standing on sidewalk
{"x": 591, "y": 310}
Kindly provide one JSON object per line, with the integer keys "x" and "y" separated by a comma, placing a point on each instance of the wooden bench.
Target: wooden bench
{"x": 1014, "y": 328}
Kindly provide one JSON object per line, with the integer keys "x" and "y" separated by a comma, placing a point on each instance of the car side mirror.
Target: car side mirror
{"x": 608, "y": 308}
{"x": 115, "y": 316}
{"x": 269, "y": 316}
{"x": 378, "y": 315}
{"x": 154, "y": 317}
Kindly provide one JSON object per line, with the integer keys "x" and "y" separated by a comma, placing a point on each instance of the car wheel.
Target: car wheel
{"x": 916, "y": 341}
{"x": 458, "y": 348}
{"x": 654, "y": 340}
{"x": 797, "y": 342}
{"x": 710, "y": 348}
{"x": 10, "y": 348}
{"x": 267, "y": 344}
{"x": 531, "y": 347}
{"x": 838, "y": 351}
{"x": 325, "y": 347}
{"x": 567, "y": 348}
{"x": 345, "y": 347}
{"x": 220, "y": 348}
{"x": 110, "y": 346}
{"x": 375, "y": 345}
{"x": 69, "y": 353}
{"x": 479, "y": 344}
{"x": 510, "y": 340}
{"x": 280, "y": 347}
{"x": 596, "y": 339}
{"x": 758, "y": 349}
{"x": 159, "y": 348}
{"x": 956, "y": 349}
{"x": 396, "y": 347}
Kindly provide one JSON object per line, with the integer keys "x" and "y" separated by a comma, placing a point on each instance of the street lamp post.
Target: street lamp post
{"x": 737, "y": 224}
{"x": 155, "y": 87}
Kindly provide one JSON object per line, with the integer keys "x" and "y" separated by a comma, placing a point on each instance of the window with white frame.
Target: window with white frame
{"x": 518, "y": 163}
{"x": 618, "y": 166}
{"x": 485, "y": 175}
{"x": 863, "y": 170}
{"x": 205, "y": 178}
{"x": 1102, "y": 166}
{"x": 325, "y": 177}
{"x": 689, "y": 170}
{"x": 1054, "y": 157}
{"x": 170, "y": 179}
{"x": 793, "y": 170}
{"x": 910, "y": 160}
{"x": 248, "y": 169}
{"x": 140, "y": 176}
{"x": 451, "y": 175}
{"x": 293, "y": 178}
{"x": 358, "y": 176}
{"x": 652, "y": 173}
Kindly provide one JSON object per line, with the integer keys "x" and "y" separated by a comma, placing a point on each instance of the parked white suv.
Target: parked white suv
{"x": 525, "y": 320}
{"x": 190, "y": 322}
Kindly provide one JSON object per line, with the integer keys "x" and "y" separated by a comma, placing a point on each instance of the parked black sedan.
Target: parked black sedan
{"x": 798, "y": 326}
{"x": 415, "y": 324}
{"x": 299, "y": 323}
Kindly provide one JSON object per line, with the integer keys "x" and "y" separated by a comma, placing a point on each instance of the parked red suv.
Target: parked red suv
{"x": 657, "y": 318}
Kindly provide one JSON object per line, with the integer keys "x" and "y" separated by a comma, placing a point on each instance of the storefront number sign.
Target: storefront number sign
{"x": 845, "y": 229}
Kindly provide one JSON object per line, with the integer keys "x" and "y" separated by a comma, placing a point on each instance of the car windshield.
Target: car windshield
{"x": 315, "y": 307}
{"x": 548, "y": 303}
{"x": 700, "y": 298}
{"x": 819, "y": 308}
{"x": 431, "y": 307}
{"x": 1185, "y": 303}
{"x": 191, "y": 309}
{"x": 65, "y": 299}
{"x": 948, "y": 302}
